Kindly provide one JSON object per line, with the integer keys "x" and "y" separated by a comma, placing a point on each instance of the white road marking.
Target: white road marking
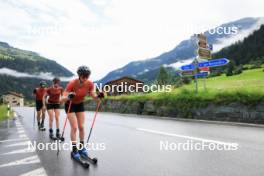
{"x": 187, "y": 137}
{"x": 25, "y": 150}
{"x": 36, "y": 172}
{"x": 22, "y": 136}
{"x": 13, "y": 140}
{"x": 21, "y": 131}
{"x": 18, "y": 144}
{"x": 29, "y": 160}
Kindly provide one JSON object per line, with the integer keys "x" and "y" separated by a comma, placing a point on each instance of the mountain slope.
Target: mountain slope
{"x": 29, "y": 62}
{"x": 185, "y": 50}
{"x": 22, "y": 85}
{"x": 28, "y": 68}
{"x": 242, "y": 52}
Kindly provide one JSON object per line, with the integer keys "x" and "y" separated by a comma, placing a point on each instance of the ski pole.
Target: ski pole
{"x": 64, "y": 126}
{"x": 65, "y": 121}
{"x": 95, "y": 114}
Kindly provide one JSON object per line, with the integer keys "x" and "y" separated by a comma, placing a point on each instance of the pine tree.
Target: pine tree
{"x": 163, "y": 76}
{"x": 230, "y": 68}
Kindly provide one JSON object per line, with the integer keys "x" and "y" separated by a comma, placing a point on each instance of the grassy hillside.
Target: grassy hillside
{"x": 247, "y": 88}
{"x": 250, "y": 80}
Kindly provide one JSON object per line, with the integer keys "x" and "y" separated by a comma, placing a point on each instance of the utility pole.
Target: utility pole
{"x": 196, "y": 74}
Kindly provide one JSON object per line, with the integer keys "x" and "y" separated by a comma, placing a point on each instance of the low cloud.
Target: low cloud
{"x": 177, "y": 65}
{"x": 41, "y": 75}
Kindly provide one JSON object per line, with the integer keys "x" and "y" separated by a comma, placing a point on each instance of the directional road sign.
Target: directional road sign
{"x": 210, "y": 63}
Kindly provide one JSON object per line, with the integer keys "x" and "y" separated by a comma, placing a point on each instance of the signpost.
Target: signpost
{"x": 203, "y": 52}
{"x": 210, "y": 47}
{"x": 191, "y": 73}
{"x": 214, "y": 63}
{"x": 187, "y": 73}
{"x": 204, "y": 69}
{"x": 202, "y": 74}
{"x": 201, "y": 37}
{"x": 192, "y": 69}
{"x": 202, "y": 44}
{"x": 210, "y": 63}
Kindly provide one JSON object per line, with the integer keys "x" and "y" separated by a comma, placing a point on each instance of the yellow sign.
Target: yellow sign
{"x": 204, "y": 53}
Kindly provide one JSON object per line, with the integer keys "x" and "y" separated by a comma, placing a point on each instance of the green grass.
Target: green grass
{"x": 3, "y": 112}
{"x": 247, "y": 88}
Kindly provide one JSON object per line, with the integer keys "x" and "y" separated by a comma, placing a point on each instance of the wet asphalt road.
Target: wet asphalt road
{"x": 129, "y": 145}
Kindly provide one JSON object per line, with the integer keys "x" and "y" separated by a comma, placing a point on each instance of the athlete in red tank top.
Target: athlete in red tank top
{"x": 54, "y": 94}
{"x": 75, "y": 92}
{"x": 39, "y": 93}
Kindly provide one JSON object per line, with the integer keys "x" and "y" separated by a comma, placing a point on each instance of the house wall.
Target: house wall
{"x": 13, "y": 100}
{"x": 126, "y": 81}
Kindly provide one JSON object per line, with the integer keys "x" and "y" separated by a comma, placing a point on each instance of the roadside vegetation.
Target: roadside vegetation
{"x": 3, "y": 112}
{"x": 247, "y": 88}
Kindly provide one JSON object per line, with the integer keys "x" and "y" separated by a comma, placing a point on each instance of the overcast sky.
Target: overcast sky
{"x": 107, "y": 34}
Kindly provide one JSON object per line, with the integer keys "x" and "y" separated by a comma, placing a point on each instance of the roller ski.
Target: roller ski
{"x": 84, "y": 154}
{"x": 42, "y": 129}
{"x": 76, "y": 157}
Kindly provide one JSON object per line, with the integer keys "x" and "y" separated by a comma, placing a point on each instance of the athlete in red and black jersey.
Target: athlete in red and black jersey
{"x": 39, "y": 93}
{"x": 75, "y": 92}
{"x": 54, "y": 94}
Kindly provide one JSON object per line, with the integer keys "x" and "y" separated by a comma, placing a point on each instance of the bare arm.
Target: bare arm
{"x": 94, "y": 96}
{"x": 64, "y": 97}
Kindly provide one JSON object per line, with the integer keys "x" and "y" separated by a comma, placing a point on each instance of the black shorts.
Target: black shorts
{"x": 53, "y": 106}
{"x": 39, "y": 105}
{"x": 74, "y": 107}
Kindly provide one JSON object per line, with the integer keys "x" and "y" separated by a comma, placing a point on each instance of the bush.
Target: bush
{"x": 163, "y": 77}
{"x": 215, "y": 73}
{"x": 238, "y": 70}
{"x": 230, "y": 68}
{"x": 229, "y": 74}
{"x": 186, "y": 80}
{"x": 178, "y": 82}
{"x": 3, "y": 112}
{"x": 255, "y": 64}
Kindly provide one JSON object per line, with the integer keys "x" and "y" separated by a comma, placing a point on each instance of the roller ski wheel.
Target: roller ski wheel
{"x": 76, "y": 157}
